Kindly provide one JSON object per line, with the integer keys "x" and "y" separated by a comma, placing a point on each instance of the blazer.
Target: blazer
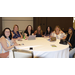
{"x": 72, "y": 40}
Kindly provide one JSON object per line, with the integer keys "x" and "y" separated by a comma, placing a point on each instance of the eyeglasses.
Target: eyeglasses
{"x": 7, "y": 31}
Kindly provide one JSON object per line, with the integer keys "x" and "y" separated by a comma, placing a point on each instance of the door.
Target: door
{"x": 39, "y": 21}
{"x": 63, "y": 22}
{"x": 43, "y": 24}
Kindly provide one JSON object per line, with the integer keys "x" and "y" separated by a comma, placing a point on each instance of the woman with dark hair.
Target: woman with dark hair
{"x": 15, "y": 32}
{"x": 3, "y": 55}
{"x": 71, "y": 41}
{"x": 28, "y": 31}
{"x": 48, "y": 32}
{"x": 70, "y": 38}
{"x": 6, "y": 43}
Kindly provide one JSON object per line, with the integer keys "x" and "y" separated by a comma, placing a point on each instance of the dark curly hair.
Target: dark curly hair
{"x": 3, "y": 33}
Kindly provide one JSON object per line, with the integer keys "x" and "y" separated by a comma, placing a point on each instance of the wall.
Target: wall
{"x": 74, "y": 23}
{"x": 63, "y": 22}
{"x": 22, "y": 22}
{"x": 0, "y": 25}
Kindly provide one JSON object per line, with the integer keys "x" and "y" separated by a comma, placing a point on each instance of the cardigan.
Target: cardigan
{"x": 72, "y": 40}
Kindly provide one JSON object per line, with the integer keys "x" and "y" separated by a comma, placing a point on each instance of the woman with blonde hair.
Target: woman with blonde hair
{"x": 58, "y": 33}
{"x": 15, "y": 32}
{"x": 38, "y": 32}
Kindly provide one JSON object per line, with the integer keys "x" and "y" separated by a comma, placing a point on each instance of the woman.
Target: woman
{"x": 28, "y": 31}
{"x": 48, "y": 32}
{"x": 38, "y": 32}
{"x": 6, "y": 43}
{"x": 71, "y": 41}
{"x": 58, "y": 33}
{"x": 3, "y": 55}
{"x": 70, "y": 38}
{"x": 15, "y": 32}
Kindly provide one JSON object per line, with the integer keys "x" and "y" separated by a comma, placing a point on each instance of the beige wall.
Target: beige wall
{"x": 74, "y": 23}
{"x": 22, "y": 22}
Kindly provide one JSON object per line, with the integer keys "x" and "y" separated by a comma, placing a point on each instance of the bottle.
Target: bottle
{"x": 24, "y": 37}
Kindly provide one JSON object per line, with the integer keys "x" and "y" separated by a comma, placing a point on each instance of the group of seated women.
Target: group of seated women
{"x": 8, "y": 37}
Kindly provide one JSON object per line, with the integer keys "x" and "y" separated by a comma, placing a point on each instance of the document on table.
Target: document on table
{"x": 53, "y": 45}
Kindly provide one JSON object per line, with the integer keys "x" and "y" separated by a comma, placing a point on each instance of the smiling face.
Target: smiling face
{"x": 70, "y": 31}
{"x": 29, "y": 28}
{"x": 39, "y": 28}
{"x": 57, "y": 29}
{"x": 16, "y": 28}
{"x": 48, "y": 29}
{"x": 7, "y": 32}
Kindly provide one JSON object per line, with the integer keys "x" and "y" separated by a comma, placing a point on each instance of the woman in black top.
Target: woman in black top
{"x": 71, "y": 38}
{"x": 48, "y": 32}
{"x": 28, "y": 31}
{"x": 71, "y": 41}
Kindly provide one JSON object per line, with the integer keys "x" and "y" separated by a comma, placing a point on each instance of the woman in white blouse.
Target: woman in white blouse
{"x": 6, "y": 43}
{"x": 58, "y": 33}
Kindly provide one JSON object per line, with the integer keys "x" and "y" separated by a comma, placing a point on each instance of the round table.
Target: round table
{"x": 42, "y": 47}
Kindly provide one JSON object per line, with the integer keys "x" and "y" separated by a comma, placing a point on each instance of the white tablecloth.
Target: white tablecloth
{"x": 42, "y": 48}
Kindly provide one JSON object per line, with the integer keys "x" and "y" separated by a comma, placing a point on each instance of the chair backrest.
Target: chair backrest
{"x": 22, "y": 53}
{"x": 22, "y": 32}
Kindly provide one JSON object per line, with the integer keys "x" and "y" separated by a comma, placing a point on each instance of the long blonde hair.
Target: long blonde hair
{"x": 40, "y": 29}
{"x": 56, "y": 27}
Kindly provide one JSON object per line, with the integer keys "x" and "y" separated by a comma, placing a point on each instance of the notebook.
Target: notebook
{"x": 31, "y": 37}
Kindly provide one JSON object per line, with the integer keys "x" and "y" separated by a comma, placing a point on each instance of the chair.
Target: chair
{"x": 43, "y": 33}
{"x": 17, "y": 53}
{"x": 22, "y": 32}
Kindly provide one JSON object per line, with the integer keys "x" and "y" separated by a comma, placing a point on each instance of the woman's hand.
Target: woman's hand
{"x": 69, "y": 44}
{"x": 26, "y": 38}
{"x": 51, "y": 36}
{"x": 15, "y": 44}
{"x": 46, "y": 36}
{"x": 33, "y": 34}
{"x": 13, "y": 40}
{"x": 19, "y": 38}
{"x": 70, "y": 49}
{"x": 61, "y": 32}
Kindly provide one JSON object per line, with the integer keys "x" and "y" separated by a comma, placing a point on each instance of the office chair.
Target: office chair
{"x": 17, "y": 53}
